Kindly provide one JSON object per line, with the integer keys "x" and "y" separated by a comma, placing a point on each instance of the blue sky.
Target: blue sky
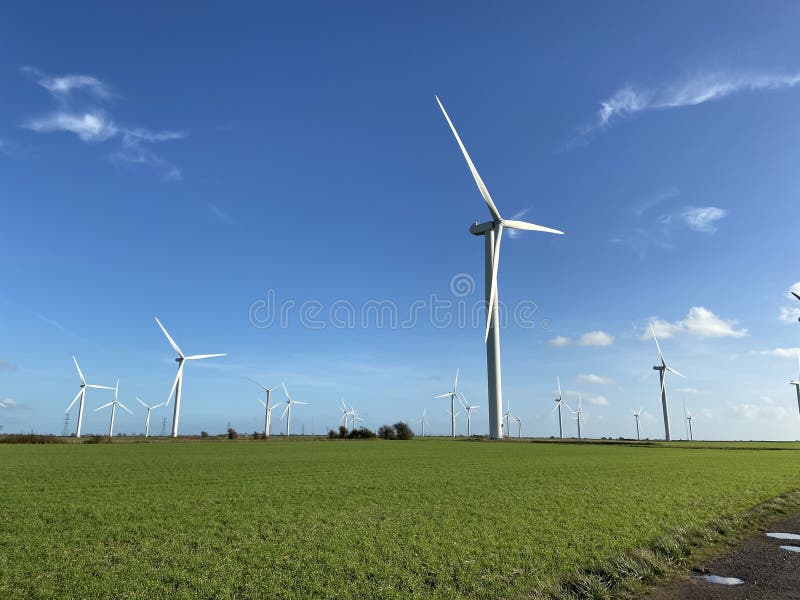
{"x": 195, "y": 164}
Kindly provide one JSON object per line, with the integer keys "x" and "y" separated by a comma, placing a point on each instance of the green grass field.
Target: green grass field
{"x": 366, "y": 519}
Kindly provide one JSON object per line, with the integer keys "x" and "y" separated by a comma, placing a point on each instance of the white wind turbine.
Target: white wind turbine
{"x": 579, "y": 415}
{"x": 688, "y": 416}
{"x": 508, "y": 416}
{"x": 422, "y": 421}
{"x": 637, "y": 415}
{"x": 452, "y": 394}
{"x": 345, "y": 418}
{"x": 492, "y": 232}
{"x": 559, "y": 403}
{"x": 519, "y": 426}
{"x": 662, "y": 375}
{"x": 796, "y": 383}
{"x": 82, "y": 395}
{"x": 177, "y": 385}
{"x": 147, "y": 420}
{"x": 288, "y": 410}
{"x": 467, "y": 407}
{"x": 354, "y": 417}
{"x": 113, "y": 404}
{"x": 267, "y": 408}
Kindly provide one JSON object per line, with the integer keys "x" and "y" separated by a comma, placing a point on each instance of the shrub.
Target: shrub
{"x": 203, "y": 434}
{"x": 387, "y": 432}
{"x": 402, "y": 431}
{"x": 332, "y": 435}
{"x": 362, "y": 434}
{"x": 30, "y": 438}
{"x": 342, "y": 432}
{"x": 232, "y": 434}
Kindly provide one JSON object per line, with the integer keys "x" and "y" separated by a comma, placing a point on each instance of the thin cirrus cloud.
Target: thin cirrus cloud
{"x": 592, "y": 338}
{"x": 79, "y": 110}
{"x": 780, "y": 352}
{"x": 593, "y": 378}
{"x": 691, "y": 91}
{"x": 698, "y": 322}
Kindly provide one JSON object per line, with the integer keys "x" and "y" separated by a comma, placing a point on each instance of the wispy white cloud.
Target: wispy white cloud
{"x": 85, "y": 117}
{"x": 766, "y": 408}
{"x": 703, "y": 218}
{"x": 597, "y": 400}
{"x": 791, "y": 314}
{"x": 699, "y": 322}
{"x": 593, "y": 378}
{"x": 559, "y": 342}
{"x": 688, "y": 390}
{"x": 690, "y": 91}
{"x": 779, "y": 352}
{"x": 596, "y": 338}
{"x": 514, "y": 233}
{"x": 219, "y": 215}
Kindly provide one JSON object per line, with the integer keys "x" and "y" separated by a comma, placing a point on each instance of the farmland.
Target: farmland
{"x": 282, "y": 519}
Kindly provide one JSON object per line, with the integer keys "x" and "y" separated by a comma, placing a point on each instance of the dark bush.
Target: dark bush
{"x": 387, "y": 432}
{"x": 362, "y": 434}
{"x": 203, "y": 434}
{"x": 332, "y": 435}
{"x": 232, "y": 434}
{"x": 30, "y": 438}
{"x": 402, "y": 431}
{"x": 342, "y": 432}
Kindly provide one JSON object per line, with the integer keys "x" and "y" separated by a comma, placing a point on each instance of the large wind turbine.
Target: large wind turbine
{"x": 113, "y": 404}
{"x": 452, "y": 394}
{"x": 492, "y": 232}
{"x": 82, "y": 395}
{"x": 559, "y": 404}
{"x": 147, "y": 420}
{"x": 288, "y": 410}
{"x": 637, "y": 415}
{"x": 796, "y": 383}
{"x": 267, "y": 407}
{"x": 177, "y": 385}
{"x": 662, "y": 375}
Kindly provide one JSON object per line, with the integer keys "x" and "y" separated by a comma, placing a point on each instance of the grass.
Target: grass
{"x": 434, "y": 518}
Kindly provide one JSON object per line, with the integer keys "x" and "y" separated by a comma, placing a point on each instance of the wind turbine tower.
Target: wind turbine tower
{"x": 637, "y": 415}
{"x": 492, "y": 231}
{"x": 452, "y": 394}
{"x": 796, "y": 383}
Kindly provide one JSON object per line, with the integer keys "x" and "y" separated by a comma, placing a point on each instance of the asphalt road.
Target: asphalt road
{"x": 768, "y": 571}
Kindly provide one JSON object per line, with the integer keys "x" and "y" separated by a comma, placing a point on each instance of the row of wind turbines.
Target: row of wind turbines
{"x": 492, "y": 232}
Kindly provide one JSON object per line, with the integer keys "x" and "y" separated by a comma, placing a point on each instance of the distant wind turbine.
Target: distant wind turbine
{"x": 469, "y": 410}
{"x": 579, "y": 415}
{"x": 177, "y": 385}
{"x": 267, "y": 408}
{"x": 559, "y": 404}
{"x": 82, "y": 395}
{"x": 519, "y": 426}
{"x": 492, "y": 232}
{"x": 345, "y": 418}
{"x": 687, "y": 415}
{"x": 422, "y": 421}
{"x": 113, "y": 404}
{"x": 637, "y": 415}
{"x": 796, "y": 383}
{"x": 147, "y": 420}
{"x": 662, "y": 375}
{"x": 288, "y": 410}
{"x": 452, "y": 394}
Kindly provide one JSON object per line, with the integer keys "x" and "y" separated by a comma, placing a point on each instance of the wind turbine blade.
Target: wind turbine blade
{"x": 795, "y": 295}
{"x": 455, "y": 383}
{"x": 298, "y": 402}
{"x": 125, "y": 407}
{"x": 99, "y": 387}
{"x": 273, "y": 388}
{"x": 201, "y": 356}
{"x": 530, "y": 227}
{"x": 174, "y": 383}
{"x": 104, "y": 406}
{"x": 258, "y": 384}
{"x": 285, "y": 391}
{"x": 285, "y": 409}
{"x": 80, "y": 373}
{"x": 447, "y": 395}
{"x": 74, "y": 400}
{"x": 671, "y": 370}
{"x": 261, "y": 402}
{"x": 171, "y": 341}
{"x": 478, "y": 181}
{"x": 653, "y": 331}
{"x": 558, "y": 382}
{"x": 493, "y": 292}
{"x": 143, "y": 404}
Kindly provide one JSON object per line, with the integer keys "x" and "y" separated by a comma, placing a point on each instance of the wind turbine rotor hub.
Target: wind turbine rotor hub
{"x": 482, "y": 228}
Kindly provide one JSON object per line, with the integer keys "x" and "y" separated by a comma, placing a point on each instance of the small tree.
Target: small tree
{"x": 362, "y": 434}
{"x": 342, "y": 432}
{"x": 403, "y": 431}
{"x": 332, "y": 435}
{"x": 232, "y": 434}
{"x": 203, "y": 434}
